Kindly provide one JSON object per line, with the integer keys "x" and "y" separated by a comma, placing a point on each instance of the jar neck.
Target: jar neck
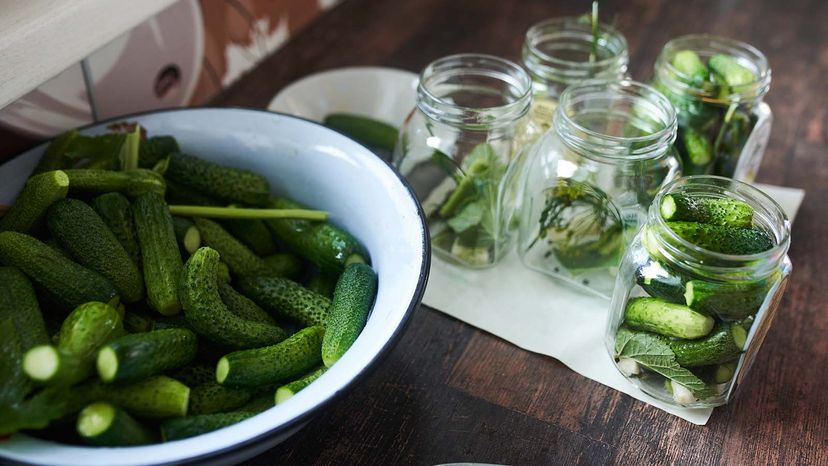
{"x": 705, "y": 46}
{"x": 473, "y": 91}
{"x": 768, "y": 216}
{"x": 615, "y": 121}
{"x": 557, "y": 53}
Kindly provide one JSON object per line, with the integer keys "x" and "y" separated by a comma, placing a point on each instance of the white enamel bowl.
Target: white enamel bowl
{"x": 318, "y": 167}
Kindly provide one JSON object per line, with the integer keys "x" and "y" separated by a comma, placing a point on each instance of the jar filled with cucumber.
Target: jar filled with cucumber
{"x": 697, "y": 290}
{"x": 586, "y": 184}
{"x": 717, "y": 86}
{"x": 456, "y": 150}
{"x": 147, "y": 295}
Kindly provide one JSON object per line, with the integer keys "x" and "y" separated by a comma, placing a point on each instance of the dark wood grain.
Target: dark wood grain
{"x": 449, "y": 392}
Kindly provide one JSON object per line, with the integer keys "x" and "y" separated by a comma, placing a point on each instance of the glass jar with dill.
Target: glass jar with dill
{"x": 456, "y": 149}
{"x": 586, "y": 184}
{"x": 717, "y": 86}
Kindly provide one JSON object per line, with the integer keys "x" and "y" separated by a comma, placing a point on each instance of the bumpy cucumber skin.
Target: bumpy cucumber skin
{"x": 326, "y": 245}
{"x": 353, "y": 297}
{"x": 141, "y": 355}
{"x": 71, "y": 284}
{"x": 116, "y": 212}
{"x": 133, "y": 183}
{"x": 698, "y": 149}
{"x": 243, "y": 306}
{"x": 18, "y": 302}
{"x": 217, "y": 181}
{"x": 365, "y": 130}
{"x": 238, "y": 257}
{"x": 715, "y": 211}
{"x": 721, "y": 239}
{"x": 182, "y": 195}
{"x": 153, "y": 150}
{"x": 209, "y": 316}
{"x": 258, "y": 404}
{"x": 286, "y": 298}
{"x": 296, "y": 355}
{"x": 286, "y": 391}
{"x": 729, "y": 301}
{"x": 122, "y": 431}
{"x": 672, "y": 320}
{"x": 658, "y": 282}
{"x": 54, "y": 158}
{"x": 37, "y": 195}
{"x": 190, "y": 426}
{"x": 718, "y": 347}
{"x": 84, "y": 234}
{"x": 210, "y": 398}
{"x": 155, "y": 397}
{"x": 283, "y": 264}
{"x": 195, "y": 374}
{"x": 14, "y": 385}
{"x": 160, "y": 256}
{"x": 323, "y": 284}
{"x": 253, "y": 233}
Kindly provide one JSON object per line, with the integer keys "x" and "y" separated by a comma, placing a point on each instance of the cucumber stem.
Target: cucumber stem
{"x": 235, "y": 212}
{"x": 129, "y": 151}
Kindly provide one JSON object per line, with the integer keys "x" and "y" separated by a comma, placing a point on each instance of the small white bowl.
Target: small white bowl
{"x": 385, "y": 94}
{"x": 318, "y": 167}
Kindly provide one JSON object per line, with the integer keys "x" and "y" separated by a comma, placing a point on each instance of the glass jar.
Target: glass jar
{"x": 723, "y": 124}
{"x": 738, "y": 293}
{"x": 557, "y": 54}
{"x": 586, "y": 184}
{"x": 456, "y": 148}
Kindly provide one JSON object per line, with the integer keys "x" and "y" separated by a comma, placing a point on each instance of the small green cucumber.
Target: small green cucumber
{"x": 84, "y": 234}
{"x": 209, "y": 316}
{"x": 70, "y": 283}
{"x": 672, "y": 320}
{"x": 188, "y": 236}
{"x": 54, "y": 158}
{"x": 38, "y": 194}
{"x": 287, "y": 391}
{"x": 285, "y": 298}
{"x": 353, "y": 297}
{"x": 688, "y": 63}
{"x": 724, "y": 343}
{"x": 654, "y": 278}
{"x": 323, "y": 284}
{"x": 160, "y": 256}
{"x": 195, "y": 374}
{"x": 254, "y": 233}
{"x": 18, "y": 302}
{"x": 699, "y": 151}
{"x": 182, "y": 195}
{"x": 133, "y": 183}
{"x": 14, "y": 385}
{"x": 191, "y": 426}
{"x": 155, "y": 149}
{"x": 156, "y": 397}
{"x": 116, "y": 212}
{"x": 723, "y": 239}
{"x": 729, "y": 301}
{"x": 296, "y": 355}
{"x": 730, "y": 70}
{"x": 283, "y": 264}
{"x": 103, "y": 424}
{"x": 364, "y": 130}
{"x": 140, "y": 355}
{"x": 243, "y": 306}
{"x": 237, "y": 256}
{"x": 258, "y": 404}
{"x": 715, "y": 211}
{"x": 217, "y": 181}
{"x": 211, "y": 398}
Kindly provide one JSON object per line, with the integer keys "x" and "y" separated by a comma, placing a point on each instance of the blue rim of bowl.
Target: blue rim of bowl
{"x": 235, "y": 451}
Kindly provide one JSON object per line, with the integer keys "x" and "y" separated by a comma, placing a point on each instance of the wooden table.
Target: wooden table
{"x": 451, "y": 393}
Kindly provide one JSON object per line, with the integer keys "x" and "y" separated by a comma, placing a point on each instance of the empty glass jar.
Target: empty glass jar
{"x": 587, "y": 183}
{"x": 686, "y": 322}
{"x": 456, "y": 149}
{"x": 559, "y": 52}
{"x": 717, "y": 86}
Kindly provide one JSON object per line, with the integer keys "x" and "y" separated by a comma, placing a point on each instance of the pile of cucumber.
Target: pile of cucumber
{"x": 685, "y": 332}
{"x": 147, "y": 295}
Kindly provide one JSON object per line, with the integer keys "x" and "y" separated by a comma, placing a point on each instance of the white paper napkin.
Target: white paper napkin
{"x": 540, "y": 314}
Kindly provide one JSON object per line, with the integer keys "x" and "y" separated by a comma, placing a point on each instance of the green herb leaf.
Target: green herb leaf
{"x": 447, "y": 164}
{"x": 468, "y": 217}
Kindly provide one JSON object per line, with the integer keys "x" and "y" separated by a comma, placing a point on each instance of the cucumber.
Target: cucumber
{"x": 715, "y": 211}
{"x": 725, "y": 372}
{"x": 138, "y": 322}
{"x": 69, "y": 283}
{"x": 191, "y": 426}
{"x": 654, "y": 278}
{"x": 84, "y": 331}
{"x": 258, "y": 404}
{"x": 160, "y": 256}
{"x": 236, "y": 255}
{"x": 213, "y": 398}
{"x": 323, "y": 284}
{"x": 54, "y": 158}
{"x": 156, "y": 397}
{"x": 353, "y": 297}
{"x": 725, "y": 343}
{"x": 722, "y": 239}
{"x": 37, "y": 195}
{"x": 698, "y": 149}
{"x": 116, "y": 212}
{"x": 326, "y": 245}
{"x": 106, "y": 425}
{"x": 179, "y": 194}
{"x": 730, "y": 70}
{"x": 81, "y": 231}
{"x": 672, "y": 320}
{"x": 218, "y": 181}
{"x": 728, "y": 301}
{"x": 285, "y": 392}
{"x": 223, "y": 272}
{"x": 209, "y": 316}
{"x": 18, "y": 302}
{"x": 13, "y": 382}
{"x": 254, "y": 233}
{"x": 155, "y": 149}
{"x": 296, "y": 355}
{"x": 242, "y": 306}
{"x": 140, "y": 355}
{"x": 364, "y": 130}
{"x": 285, "y": 298}
{"x": 688, "y": 63}
{"x": 133, "y": 183}
{"x": 195, "y": 374}
{"x": 283, "y": 264}
{"x": 188, "y": 236}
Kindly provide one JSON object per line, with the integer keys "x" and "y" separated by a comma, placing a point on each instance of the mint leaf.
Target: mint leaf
{"x": 468, "y": 217}
{"x": 652, "y": 352}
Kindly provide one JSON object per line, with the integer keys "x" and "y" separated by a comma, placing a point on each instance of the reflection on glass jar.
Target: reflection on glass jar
{"x": 456, "y": 149}
{"x": 585, "y": 185}
{"x": 559, "y": 52}
{"x": 717, "y": 86}
{"x": 698, "y": 289}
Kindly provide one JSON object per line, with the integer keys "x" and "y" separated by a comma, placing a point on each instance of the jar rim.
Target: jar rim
{"x": 472, "y": 117}
{"x": 572, "y": 23}
{"x": 708, "y": 44}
